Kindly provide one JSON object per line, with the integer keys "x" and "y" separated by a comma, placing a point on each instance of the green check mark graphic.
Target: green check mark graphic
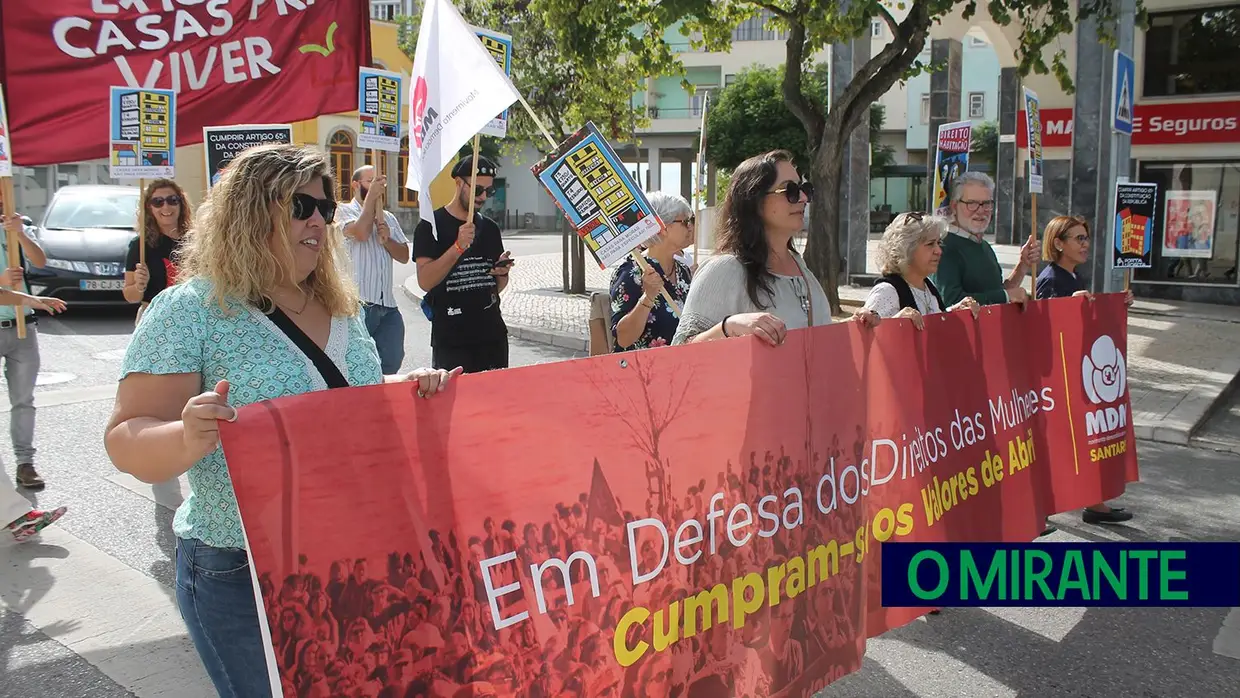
{"x": 315, "y": 48}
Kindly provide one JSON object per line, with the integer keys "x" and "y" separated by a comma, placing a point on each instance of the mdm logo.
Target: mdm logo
{"x": 1105, "y": 378}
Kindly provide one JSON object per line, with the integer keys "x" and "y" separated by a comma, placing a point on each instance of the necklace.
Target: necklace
{"x": 305, "y": 300}
{"x": 924, "y": 298}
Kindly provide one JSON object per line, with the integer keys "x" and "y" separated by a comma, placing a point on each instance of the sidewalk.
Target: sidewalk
{"x": 1182, "y": 356}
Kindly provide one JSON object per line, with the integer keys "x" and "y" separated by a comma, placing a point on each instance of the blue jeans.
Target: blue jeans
{"x": 387, "y": 328}
{"x": 216, "y": 596}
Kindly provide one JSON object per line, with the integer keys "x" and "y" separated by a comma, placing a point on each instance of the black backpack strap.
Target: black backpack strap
{"x": 326, "y": 367}
{"x": 903, "y": 291}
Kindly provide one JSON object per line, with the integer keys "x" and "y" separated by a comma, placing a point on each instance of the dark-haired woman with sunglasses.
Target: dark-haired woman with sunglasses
{"x": 167, "y": 215}
{"x": 262, "y": 311}
{"x": 758, "y": 284}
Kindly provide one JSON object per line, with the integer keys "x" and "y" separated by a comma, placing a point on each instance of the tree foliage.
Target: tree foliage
{"x": 598, "y": 33}
{"x": 750, "y": 116}
{"x": 985, "y": 145}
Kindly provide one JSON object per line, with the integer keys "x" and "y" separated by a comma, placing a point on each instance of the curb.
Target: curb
{"x": 529, "y": 334}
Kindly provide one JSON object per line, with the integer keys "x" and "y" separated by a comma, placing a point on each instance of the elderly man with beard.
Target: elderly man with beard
{"x": 969, "y": 266}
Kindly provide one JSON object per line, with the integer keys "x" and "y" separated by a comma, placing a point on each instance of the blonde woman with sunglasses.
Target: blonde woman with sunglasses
{"x": 262, "y": 311}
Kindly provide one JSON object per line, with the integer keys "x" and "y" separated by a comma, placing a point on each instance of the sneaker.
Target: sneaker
{"x": 28, "y": 477}
{"x": 1113, "y": 516}
{"x": 32, "y": 522}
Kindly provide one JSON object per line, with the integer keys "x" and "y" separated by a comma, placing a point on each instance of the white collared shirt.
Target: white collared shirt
{"x": 372, "y": 265}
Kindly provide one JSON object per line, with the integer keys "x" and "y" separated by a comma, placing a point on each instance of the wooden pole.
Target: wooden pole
{"x": 14, "y": 245}
{"x": 374, "y": 162}
{"x": 142, "y": 204}
{"x": 1033, "y": 231}
{"x": 473, "y": 179}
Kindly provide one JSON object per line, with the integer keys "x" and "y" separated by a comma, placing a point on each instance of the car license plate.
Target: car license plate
{"x": 102, "y": 285}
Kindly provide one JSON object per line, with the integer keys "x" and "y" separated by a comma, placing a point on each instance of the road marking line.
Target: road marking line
{"x": 72, "y": 396}
{"x": 123, "y": 622}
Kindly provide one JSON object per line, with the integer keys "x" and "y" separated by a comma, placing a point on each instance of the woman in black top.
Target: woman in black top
{"x": 1065, "y": 244}
{"x": 167, "y": 220}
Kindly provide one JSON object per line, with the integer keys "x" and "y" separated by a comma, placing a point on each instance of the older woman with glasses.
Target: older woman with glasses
{"x": 262, "y": 311}
{"x": 909, "y": 254}
{"x": 640, "y": 316}
{"x": 758, "y": 284}
{"x": 1065, "y": 244}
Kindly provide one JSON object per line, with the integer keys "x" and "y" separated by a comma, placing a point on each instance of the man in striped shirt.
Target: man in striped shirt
{"x": 374, "y": 240}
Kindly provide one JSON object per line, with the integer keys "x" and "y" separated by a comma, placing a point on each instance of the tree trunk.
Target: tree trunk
{"x": 579, "y": 265}
{"x": 822, "y": 245}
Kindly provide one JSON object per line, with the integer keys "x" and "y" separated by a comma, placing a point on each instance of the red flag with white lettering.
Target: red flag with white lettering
{"x": 230, "y": 62}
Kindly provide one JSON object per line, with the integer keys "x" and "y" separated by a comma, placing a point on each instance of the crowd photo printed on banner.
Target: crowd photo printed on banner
{"x": 686, "y": 532}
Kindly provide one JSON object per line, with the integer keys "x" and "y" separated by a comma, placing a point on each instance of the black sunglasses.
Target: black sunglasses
{"x": 159, "y": 201}
{"x": 793, "y": 191}
{"x": 304, "y": 206}
{"x": 480, "y": 190}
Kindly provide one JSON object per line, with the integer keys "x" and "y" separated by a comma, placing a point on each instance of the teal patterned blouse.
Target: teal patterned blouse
{"x": 184, "y": 330}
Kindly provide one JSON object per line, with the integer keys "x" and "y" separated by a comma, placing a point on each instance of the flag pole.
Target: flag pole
{"x": 537, "y": 122}
{"x": 1033, "y": 232}
{"x": 13, "y": 242}
{"x": 473, "y": 180}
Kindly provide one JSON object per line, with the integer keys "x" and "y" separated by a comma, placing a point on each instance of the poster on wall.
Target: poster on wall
{"x": 378, "y": 108}
{"x": 1033, "y": 123}
{"x": 142, "y": 128}
{"x": 500, "y": 47}
{"x": 1188, "y": 224}
{"x": 950, "y": 161}
{"x": 223, "y": 143}
{"x": 598, "y": 196}
{"x": 6, "y": 157}
{"x": 1134, "y": 224}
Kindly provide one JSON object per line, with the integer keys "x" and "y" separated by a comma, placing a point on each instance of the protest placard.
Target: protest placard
{"x": 6, "y": 152}
{"x": 1134, "y": 224}
{"x": 500, "y": 47}
{"x": 223, "y": 143}
{"x": 950, "y": 161}
{"x": 379, "y": 102}
{"x": 1033, "y": 123}
{"x": 142, "y": 132}
{"x": 591, "y": 186}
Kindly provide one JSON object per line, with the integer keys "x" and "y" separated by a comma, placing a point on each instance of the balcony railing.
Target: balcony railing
{"x": 676, "y": 113}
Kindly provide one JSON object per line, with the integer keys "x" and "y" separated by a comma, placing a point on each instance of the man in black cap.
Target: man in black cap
{"x": 463, "y": 267}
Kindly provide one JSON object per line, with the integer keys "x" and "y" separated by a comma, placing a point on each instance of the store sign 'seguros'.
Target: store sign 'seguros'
{"x": 1153, "y": 124}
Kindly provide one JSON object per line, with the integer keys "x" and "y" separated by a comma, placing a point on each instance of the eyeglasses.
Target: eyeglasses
{"x": 1080, "y": 239}
{"x": 793, "y": 191}
{"x": 159, "y": 201}
{"x": 304, "y": 206}
{"x": 690, "y": 221}
{"x": 973, "y": 206}
{"x": 480, "y": 190}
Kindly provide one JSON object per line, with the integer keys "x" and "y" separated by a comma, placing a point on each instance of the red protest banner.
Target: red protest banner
{"x": 229, "y": 61}
{"x": 699, "y": 520}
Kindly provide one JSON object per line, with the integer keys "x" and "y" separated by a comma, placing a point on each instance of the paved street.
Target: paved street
{"x": 87, "y": 610}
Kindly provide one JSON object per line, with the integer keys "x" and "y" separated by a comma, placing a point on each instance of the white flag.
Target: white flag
{"x": 457, "y": 88}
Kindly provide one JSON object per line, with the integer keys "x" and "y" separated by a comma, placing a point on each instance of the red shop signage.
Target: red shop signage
{"x": 1154, "y": 124}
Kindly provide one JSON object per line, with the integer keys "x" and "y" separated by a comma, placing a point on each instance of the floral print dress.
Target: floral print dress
{"x": 626, "y": 293}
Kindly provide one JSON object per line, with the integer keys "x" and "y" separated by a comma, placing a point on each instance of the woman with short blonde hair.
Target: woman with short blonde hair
{"x": 908, "y": 255}
{"x": 262, "y": 310}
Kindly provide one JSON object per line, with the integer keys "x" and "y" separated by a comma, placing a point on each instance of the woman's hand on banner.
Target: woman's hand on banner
{"x": 764, "y": 326}
{"x": 913, "y": 316}
{"x": 201, "y": 418}
{"x": 968, "y": 303}
{"x": 870, "y": 318}
{"x": 1128, "y": 298}
{"x": 430, "y": 380}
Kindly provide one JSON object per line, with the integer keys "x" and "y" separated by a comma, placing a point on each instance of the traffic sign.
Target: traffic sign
{"x": 1122, "y": 87}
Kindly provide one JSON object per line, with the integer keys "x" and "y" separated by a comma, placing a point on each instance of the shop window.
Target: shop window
{"x": 405, "y": 198}
{"x": 340, "y": 150}
{"x": 1195, "y": 224}
{"x": 1192, "y": 52}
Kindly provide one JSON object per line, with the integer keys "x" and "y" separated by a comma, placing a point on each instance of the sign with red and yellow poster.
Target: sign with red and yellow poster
{"x": 703, "y": 520}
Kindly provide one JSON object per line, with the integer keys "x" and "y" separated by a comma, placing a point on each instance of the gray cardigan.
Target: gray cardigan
{"x": 718, "y": 290}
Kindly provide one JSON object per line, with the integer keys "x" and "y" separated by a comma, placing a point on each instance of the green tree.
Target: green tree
{"x": 750, "y": 116}
{"x": 985, "y": 145}
{"x": 597, "y": 33}
{"x": 563, "y": 92}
